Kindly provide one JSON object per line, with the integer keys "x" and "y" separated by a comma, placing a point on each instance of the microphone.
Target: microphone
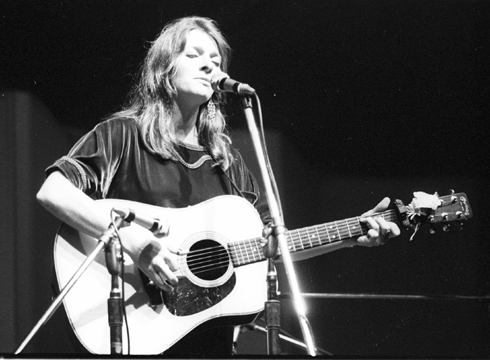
{"x": 156, "y": 226}
{"x": 221, "y": 82}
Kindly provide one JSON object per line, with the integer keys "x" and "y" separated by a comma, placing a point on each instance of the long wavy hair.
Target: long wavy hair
{"x": 150, "y": 101}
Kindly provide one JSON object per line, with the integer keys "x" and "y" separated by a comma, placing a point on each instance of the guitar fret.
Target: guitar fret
{"x": 250, "y": 253}
{"x": 247, "y": 253}
{"x": 241, "y": 253}
{"x": 310, "y": 237}
{"x": 347, "y": 225}
{"x": 337, "y": 228}
{"x": 292, "y": 243}
{"x": 322, "y": 235}
{"x": 332, "y": 234}
{"x": 241, "y": 259}
{"x": 301, "y": 237}
{"x": 328, "y": 233}
{"x": 256, "y": 247}
{"x": 354, "y": 227}
{"x": 292, "y": 246}
{"x": 248, "y": 250}
{"x": 289, "y": 238}
{"x": 232, "y": 251}
{"x": 243, "y": 248}
{"x": 319, "y": 237}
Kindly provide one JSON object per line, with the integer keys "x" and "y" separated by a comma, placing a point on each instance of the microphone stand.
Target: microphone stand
{"x": 272, "y": 306}
{"x": 103, "y": 241}
{"x": 114, "y": 262}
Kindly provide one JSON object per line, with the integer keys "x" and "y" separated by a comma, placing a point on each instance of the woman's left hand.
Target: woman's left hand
{"x": 380, "y": 230}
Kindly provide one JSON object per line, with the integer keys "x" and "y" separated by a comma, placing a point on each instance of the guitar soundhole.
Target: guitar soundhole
{"x": 208, "y": 260}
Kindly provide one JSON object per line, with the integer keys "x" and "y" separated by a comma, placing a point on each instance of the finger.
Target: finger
{"x": 263, "y": 241}
{"x": 373, "y": 224}
{"x": 384, "y": 227}
{"x": 382, "y": 205}
{"x": 165, "y": 283}
{"x": 369, "y": 239}
{"x": 175, "y": 251}
{"x": 266, "y": 231}
{"x": 172, "y": 263}
{"x": 169, "y": 255}
{"x": 363, "y": 240}
{"x": 388, "y": 229}
{"x": 395, "y": 230}
{"x": 158, "y": 280}
{"x": 167, "y": 275}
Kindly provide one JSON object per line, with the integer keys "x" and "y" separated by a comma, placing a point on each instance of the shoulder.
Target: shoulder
{"x": 116, "y": 130}
{"x": 117, "y": 124}
{"x": 116, "y": 133}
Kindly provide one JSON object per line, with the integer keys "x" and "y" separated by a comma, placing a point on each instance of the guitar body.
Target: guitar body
{"x": 200, "y": 296}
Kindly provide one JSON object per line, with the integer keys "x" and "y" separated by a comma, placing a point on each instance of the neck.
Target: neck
{"x": 184, "y": 123}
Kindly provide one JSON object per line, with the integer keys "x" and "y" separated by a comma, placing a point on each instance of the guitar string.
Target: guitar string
{"x": 202, "y": 258}
{"x": 337, "y": 233}
{"x": 331, "y": 230}
{"x": 210, "y": 267}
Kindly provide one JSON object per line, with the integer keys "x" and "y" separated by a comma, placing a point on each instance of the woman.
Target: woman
{"x": 167, "y": 147}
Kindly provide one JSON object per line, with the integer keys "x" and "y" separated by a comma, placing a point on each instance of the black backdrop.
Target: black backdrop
{"x": 378, "y": 97}
{"x": 392, "y": 79}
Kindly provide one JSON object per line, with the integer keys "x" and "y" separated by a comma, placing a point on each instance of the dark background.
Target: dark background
{"x": 367, "y": 98}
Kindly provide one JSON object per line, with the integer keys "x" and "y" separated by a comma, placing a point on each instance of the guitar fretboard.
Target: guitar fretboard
{"x": 249, "y": 251}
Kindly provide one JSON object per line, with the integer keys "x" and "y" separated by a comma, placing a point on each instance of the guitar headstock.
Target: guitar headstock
{"x": 434, "y": 209}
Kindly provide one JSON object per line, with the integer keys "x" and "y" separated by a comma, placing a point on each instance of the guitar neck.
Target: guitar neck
{"x": 249, "y": 251}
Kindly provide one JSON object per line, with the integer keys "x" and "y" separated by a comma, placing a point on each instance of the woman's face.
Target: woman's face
{"x": 196, "y": 65}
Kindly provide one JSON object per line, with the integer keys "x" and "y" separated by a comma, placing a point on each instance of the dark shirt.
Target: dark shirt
{"x": 112, "y": 161}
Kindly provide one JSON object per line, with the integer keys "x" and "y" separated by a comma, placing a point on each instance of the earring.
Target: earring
{"x": 211, "y": 110}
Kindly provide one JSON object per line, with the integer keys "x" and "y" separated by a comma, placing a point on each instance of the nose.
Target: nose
{"x": 207, "y": 65}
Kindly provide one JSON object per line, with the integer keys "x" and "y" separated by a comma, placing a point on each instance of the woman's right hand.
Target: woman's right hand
{"x": 158, "y": 263}
{"x": 151, "y": 255}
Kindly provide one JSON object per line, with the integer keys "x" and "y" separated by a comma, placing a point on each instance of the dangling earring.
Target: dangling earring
{"x": 211, "y": 110}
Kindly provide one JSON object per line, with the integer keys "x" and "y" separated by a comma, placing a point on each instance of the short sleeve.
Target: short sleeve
{"x": 92, "y": 162}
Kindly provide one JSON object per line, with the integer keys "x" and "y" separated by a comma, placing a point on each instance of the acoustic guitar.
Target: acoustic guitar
{"x": 222, "y": 268}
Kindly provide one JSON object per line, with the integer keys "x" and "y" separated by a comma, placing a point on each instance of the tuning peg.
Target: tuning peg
{"x": 451, "y": 191}
{"x": 446, "y": 227}
{"x": 432, "y": 230}
{"x": 460, "y": 215}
